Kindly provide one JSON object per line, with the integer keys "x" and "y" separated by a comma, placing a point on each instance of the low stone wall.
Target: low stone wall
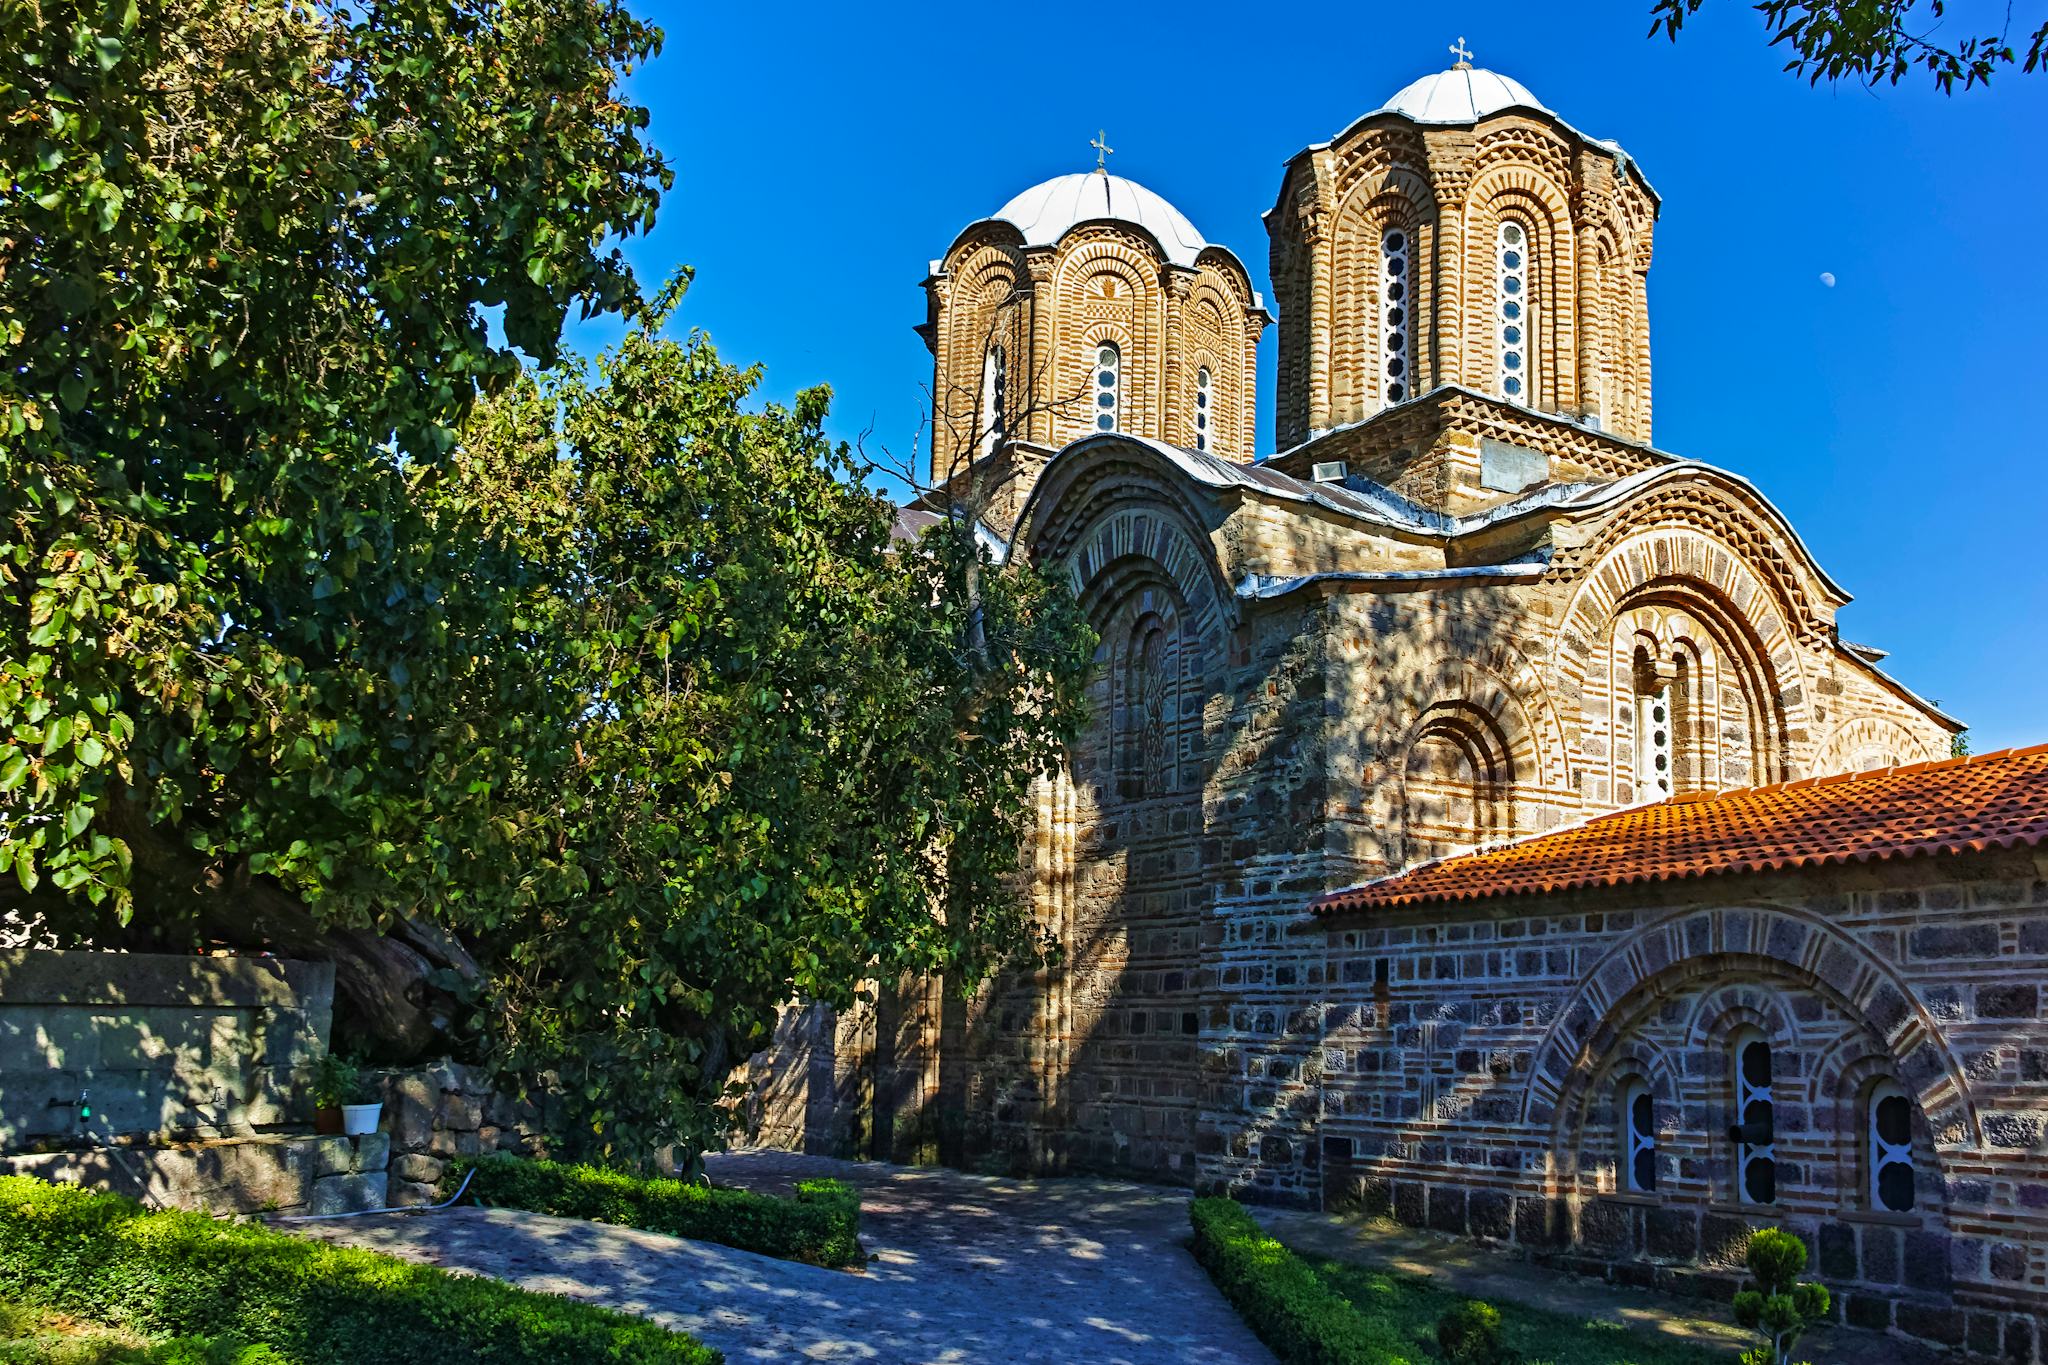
{"x": 449, "y": 1110}
{"x": 164, "y": 1047}
{"x": 290, "y": 1175}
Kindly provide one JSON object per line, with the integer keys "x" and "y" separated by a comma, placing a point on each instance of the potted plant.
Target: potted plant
{"x": 359, "y": 1119}
{"x": 335, "y": 1084}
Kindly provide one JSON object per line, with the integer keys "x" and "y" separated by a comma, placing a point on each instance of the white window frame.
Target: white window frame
{"x": 1638, "y": 1139}
{"x": 1109, "y": 360}
{"x": 1882, "y": 1153}
{"x": 1396, "y": 316}
{"x": 1748, "y": 1094}
{"x": 995, "y": 380}
{"x": 1205, "y": 397}
{"x": 1517, "y": 383}
{"x": 1656, "y": 747}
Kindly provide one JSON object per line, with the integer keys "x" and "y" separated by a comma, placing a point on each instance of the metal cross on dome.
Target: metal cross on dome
{"x": 1100, "y": 142}
{"x": 1461, "y": 52}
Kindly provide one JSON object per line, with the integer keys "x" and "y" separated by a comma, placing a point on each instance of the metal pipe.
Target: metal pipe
{"x": 359, "y": 1213}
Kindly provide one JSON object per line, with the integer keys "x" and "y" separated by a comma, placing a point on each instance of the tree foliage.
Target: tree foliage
{"x": 789, "y": 767}
{"x": 1875, "y": 41}
{"x": 1775, "y": 1302}
{"x": 580, "y": 718}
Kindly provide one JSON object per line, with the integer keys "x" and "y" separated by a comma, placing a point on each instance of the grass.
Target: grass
{"x": 1316, "y": 1311}
{"x": 30, "y": 1336}
{"x": 1406, "y": 1310}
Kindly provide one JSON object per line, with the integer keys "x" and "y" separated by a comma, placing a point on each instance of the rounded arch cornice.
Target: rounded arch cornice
{"x": 1862, "y": 737}
{"x": 1510, "y": 183}
{"x": 1105, "y": 498}
{"x": 1503, "y": 687}
{"x": 1707, "y": 950}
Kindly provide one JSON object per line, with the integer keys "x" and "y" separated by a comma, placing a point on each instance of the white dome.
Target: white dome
{"x": 1464, "y": 94}
{"x": 1045, "y": 212}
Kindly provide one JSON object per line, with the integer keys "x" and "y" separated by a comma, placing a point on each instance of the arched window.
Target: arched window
{"x": 1144, "y": 712}
{"x": 1638, "y": 1138}
{"x": 1889, "y": 1130}
{"x": 995, "y": 385}
{"x": 1654, "y": 749}
{"x": 1512, "y": 271}
{"x": 1204, "y": 412}
{"x": 1108, "y": 380}
{"x": 1755, "y": 1126}
{"x": 1394, "y": 317}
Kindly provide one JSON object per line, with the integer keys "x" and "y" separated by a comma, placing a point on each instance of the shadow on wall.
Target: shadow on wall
{"x": 156, "y": 1047}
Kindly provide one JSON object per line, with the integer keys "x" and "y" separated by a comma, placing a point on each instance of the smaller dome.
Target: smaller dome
{"x": 1464, "y": 94}
{"x": 1045, "y": 212}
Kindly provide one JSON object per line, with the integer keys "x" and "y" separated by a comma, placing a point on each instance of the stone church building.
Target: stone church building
{"x": 1464, "y": 604}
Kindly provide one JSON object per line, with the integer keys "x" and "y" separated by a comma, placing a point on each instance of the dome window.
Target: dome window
{"x": 1891, "y": 1149}
{"x": 1393, "y": 320}
{"x": 1513, "y": 278}
{"x": 1203, "y": 389}
{"x": 1754, "y": 1129}
{"x": 1638, "y": 1138}
{"x": 1108, "y": 378}
{"x": 995, "y": 384}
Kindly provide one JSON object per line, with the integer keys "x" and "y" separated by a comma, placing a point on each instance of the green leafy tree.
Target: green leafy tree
{"x": 247, "y": 253}
{"x": 796, "y": 755}
{"x": 1874, "y": 41}
{"x": 580, "y": 718}
{"x": 1775, "y": 1303}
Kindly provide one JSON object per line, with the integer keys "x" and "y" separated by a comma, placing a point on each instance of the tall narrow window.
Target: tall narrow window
{"x": 1394, "y": 317}
{"x": 1638, "y": 1138}
{"x": 1204, "y": 412}
{"x": 1654, "y": 749}
{"x": 1755, "y": 1128}
{"x": 1513, "y": 272}
{"x": 1891, "y": 1148}
{"x": 995, "y": 383}
{"x": 1108, "y": 378}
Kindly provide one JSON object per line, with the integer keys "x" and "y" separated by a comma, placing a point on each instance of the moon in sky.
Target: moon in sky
{"x": 1827, "y": 277}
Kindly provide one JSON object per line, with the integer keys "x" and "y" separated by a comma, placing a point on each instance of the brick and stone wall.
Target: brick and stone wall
{"x": 163, "y": 1047}
{"x": 1474, "y": 1060}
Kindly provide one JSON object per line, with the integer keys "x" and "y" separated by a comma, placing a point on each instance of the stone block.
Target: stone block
{"x": 1671, "y": 1234}
{"x": 1409, "y": 1204}
{"x": 1872, "y": 1312}
{"x": 460, "y": 1113}
{"x": 1447, "y": 1208}
{"x": 414, "y": 1168}
{"x": 412, "y": 1121}
{"x": 1942, "y": 1322}
{"x": 1540, "y": 1222}
{"x": 1491, "y": 1213}
{"x": 1607, "y": 1226}
{"x": 348, "y": 1193}
{"x": 1837, "y": 1259}
{"x": 333, "y": 1156}
{"x": 373, "y": 1152}
{"x": 408, "y": 1195}
{"x": 1724, "y": 1241}
{"x": 1925, "y": 1264}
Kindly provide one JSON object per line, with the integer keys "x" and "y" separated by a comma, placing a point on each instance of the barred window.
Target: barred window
{"x": 1204, "y": 412}
{"x": 995, "y": 383}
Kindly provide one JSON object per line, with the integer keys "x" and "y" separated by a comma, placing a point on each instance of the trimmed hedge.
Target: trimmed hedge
{"x": 184, "y": 1274}
{"x": 819, "y": 1224}
{"x": 1280, "y": 1296}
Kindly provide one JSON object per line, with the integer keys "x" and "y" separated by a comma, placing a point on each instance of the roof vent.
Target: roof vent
{"x": 1329, "y": 471}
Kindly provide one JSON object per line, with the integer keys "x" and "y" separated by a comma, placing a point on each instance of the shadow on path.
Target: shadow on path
{"x": 963, "y": 1269}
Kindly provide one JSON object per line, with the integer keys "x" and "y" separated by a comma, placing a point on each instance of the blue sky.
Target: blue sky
{"x": 824, "y": 154}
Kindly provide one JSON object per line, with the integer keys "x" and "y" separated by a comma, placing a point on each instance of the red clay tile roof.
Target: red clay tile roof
{"x": 1997, "y": 800}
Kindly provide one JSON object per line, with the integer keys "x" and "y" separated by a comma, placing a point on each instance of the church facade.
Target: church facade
{"x": 1464, "y": 603}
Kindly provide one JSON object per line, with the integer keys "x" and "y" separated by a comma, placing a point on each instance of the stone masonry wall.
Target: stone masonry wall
{"x": 164, "y": 1047}
{"x": 1475, "y": 1062}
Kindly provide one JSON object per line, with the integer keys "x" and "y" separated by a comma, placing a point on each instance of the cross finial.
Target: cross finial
{"x": 1100, "y": 142}
{"x": 1462, "y": 53}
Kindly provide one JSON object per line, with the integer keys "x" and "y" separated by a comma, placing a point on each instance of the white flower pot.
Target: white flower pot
{"x": 358, "y": 1120}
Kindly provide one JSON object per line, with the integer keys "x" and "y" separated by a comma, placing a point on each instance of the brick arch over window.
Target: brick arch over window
{"x": 1457, "y": 782}
{"x": 1865, "y": 742}
{"x": 1685, "y": 569}
{"x": 1693, "y": 951}
{"x": 1601, "y": 1121}
{"x": 1396, "y": 198}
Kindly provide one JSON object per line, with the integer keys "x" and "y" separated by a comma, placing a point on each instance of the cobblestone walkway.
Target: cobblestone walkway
{"x": 964, "y": 1269}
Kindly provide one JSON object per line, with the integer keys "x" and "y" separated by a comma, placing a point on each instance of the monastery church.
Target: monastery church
{"x": 1482, "y": 820}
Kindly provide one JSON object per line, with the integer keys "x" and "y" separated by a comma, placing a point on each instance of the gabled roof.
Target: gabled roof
{"x": 1958, "y": 805}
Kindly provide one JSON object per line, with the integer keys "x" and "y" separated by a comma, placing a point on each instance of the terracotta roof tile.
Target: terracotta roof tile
{"x": 1997, "y": 800}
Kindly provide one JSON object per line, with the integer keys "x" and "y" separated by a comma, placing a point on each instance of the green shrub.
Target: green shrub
{"x": 184, "y": 1274}
{"x": 1469, "y": 1334}
{"x": 1280, "y": 1297}
{"x": 1774, "y": 1302}
{"x": 820, "y": 1224}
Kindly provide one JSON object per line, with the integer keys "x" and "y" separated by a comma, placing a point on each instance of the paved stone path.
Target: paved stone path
{"x": 963, "y": 1269}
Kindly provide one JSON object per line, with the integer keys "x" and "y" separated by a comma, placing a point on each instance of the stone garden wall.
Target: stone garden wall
{"x": 162, "y": 1047}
